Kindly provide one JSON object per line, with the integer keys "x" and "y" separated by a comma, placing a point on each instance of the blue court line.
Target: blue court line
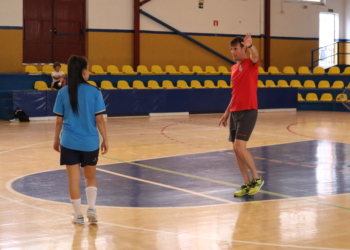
{"x": 223, "y": 182}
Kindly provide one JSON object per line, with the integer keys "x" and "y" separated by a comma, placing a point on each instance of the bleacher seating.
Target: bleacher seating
{"x": 157, "y": 70}
{"x": 223, "y": 84}
{"x": 153, "y": 85}
{"x": 41, "y": 85}
{"x": 107, "y": 85}
{"x": 196, "y": 84}
{"x": 224, "y": 70}
{"x": 296, "y": 84}
{"x": 282, "y": 83}
{"x": 98, "y": 70}
{"x": 270, "y": 84}
{"x": 311, "y": 97}
{"x": 274, "y": 70}
{"x": 138, "y": 85}
{"x": 334, "y": 70}
{"x": 338, "y": 85}
{"x": 261, "y": 84}
{"x": 326, "y": 97}
{"x": 128, "y": 70}
{"x": 300, "y": 98}
{"x": 198, "y": 70}
{"x": 182, "y": 85}
{"x": 309, "y": 84}
{"x": 289, "y": 70}
{"x": 123, "y": 85}
{"x": 168, "y": 85}
{"x": 209, "y": 84}
{"x": 303, "y": 70}
{"x": 210, "y": 70}
{"x": 262, "y": 71}
{"x": 324, "y": 84}
{"x": 318, "y": 71}
{"x": 31, "y": 69}
{"x": 170, "y": 69}
{"x": 185, "y": 70}
{"x": 142, "y": 69}
{"x": 113, "y": 70}
{"x": 48, "y": 69}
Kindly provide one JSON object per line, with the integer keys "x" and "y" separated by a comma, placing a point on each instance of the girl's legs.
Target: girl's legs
{"x": 90, "y": 185}
{"x": 73, "y": 174}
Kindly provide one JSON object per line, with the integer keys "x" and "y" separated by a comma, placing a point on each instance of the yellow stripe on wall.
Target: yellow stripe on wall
{"x": 11, "y": 46}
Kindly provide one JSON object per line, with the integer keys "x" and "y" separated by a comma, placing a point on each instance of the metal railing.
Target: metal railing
{"x": 327, "y": 55}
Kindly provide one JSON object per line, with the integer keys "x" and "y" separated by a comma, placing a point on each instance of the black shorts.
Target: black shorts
{"x": 83, "y": 158}
{"x": 57, "y": 85}
{"x": 242, "y": 124}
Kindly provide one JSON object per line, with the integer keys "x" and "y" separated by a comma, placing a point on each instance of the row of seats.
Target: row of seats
{"x": 184, "y": 70}
{"x": 41, "y": 85}
{"x": 326, "y": 97}
{"x": 307, "y": 84}
{"x": 141, "y": 69}
{"x": 303, "y": 70}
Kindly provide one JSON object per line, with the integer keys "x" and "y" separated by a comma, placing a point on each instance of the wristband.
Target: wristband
{"x": 250, "y": 46}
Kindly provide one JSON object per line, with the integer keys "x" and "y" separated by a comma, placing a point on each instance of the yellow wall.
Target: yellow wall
{"x": 110, "y": 48}
{"x": 11, "y": 54}
{"x": 293, "y": 53}
{"x": 105, "y": 48}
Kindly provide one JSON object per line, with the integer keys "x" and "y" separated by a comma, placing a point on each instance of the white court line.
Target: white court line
{"x": 166, "y": 186}
{"x": 176, "y": 233}
{"x": 9, "y": 150}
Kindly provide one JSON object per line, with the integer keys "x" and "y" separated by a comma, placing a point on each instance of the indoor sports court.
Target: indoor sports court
{"x": 164, "y": 72}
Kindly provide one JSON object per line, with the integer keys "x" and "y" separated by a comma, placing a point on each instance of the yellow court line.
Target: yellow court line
{"x": 167, "y": 186}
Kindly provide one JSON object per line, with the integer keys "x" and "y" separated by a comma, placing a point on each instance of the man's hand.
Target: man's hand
{"x": 224, "y": 119}
{"x": 247, "y": 40}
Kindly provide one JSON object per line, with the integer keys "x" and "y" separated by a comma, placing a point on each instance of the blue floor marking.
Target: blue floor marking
{"x": 324, "y": 179}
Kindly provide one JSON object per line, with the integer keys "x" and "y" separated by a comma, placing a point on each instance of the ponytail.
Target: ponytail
{"x": 76, "y": 65}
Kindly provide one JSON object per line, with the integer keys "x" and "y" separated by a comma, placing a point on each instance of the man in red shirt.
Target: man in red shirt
{"x": 243, "y": 110}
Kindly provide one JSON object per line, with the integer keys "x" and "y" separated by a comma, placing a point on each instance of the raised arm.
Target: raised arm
{"x": 248, "y": 43}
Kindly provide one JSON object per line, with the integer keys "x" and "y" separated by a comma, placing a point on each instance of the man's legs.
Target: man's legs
{"x": 242, "y": 167}
{"x": 244, "y": 160}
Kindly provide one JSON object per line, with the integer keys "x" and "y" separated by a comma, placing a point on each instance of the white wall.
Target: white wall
{"x": 110, "y": 14}
{"x": 347, "y": 19}
{"x": 11, "y": 13}
{"x": 299, "y": 22}
{"x": 234, "y": 16}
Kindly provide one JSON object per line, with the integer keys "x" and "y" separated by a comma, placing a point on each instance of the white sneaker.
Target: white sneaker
{"x": 91, "y": 214}
{"x": 79, "y": 220}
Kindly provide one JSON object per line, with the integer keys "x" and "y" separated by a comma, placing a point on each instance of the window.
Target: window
{"x": 320, "y": 2}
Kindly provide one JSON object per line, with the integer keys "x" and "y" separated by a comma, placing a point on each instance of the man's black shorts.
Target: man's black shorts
{"x": 242, "y": 124}
{"x": 73, "y": 157}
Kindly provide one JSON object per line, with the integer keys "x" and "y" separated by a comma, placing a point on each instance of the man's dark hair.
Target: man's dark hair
{"x": 56, "y": 64}
{"x": 236, "y": 40}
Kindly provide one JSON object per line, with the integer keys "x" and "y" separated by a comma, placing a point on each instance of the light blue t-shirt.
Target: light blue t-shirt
{"x": 79, "y": 131}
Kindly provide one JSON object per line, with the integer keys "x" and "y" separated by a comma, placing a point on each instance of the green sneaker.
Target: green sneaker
{"x": 256, "y": 185}
{"x": 244, "y": 190}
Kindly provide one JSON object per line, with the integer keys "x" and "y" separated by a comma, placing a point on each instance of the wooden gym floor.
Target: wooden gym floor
{"x": 167, "y": 183}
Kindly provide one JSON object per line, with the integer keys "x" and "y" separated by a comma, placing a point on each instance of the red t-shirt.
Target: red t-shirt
{"x": 244, "y": 78}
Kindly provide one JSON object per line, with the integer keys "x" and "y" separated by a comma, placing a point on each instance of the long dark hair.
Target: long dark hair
{"x": 76, "y": 65}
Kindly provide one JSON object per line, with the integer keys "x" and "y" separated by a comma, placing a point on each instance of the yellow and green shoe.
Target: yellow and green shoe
{"x": 243, "y": 191}
{"x": 256, "y": 185}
